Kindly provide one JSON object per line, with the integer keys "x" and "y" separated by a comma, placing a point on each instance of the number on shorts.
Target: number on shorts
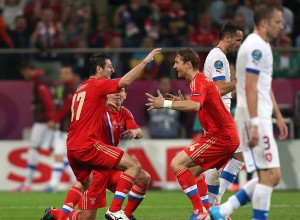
{"x": 267, "y": 142}
{"x": 77, "y": 98}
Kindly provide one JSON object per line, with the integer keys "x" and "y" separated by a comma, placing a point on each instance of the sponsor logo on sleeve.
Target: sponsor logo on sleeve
{"x": 256, "y": 55}
{"x": 218, "y": 64}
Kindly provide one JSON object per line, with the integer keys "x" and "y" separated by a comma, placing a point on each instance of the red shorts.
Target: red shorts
{"x": 99, "y": 156}
{"x": 211, "y": 152}
{"x": 95, "y": 196}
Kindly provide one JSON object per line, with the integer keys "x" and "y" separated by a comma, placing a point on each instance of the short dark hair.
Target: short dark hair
{"x": 189, "y": 55}
{"x": 97, "y": 59}
{"x": 263, "y": 11}
{"x": 229, "y": 28}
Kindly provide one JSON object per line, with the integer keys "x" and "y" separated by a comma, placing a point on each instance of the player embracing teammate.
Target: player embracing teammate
{"x": 85, "y": 148}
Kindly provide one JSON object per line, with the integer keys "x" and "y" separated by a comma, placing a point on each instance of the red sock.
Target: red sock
{"x": 188, "y": 184}
{"x": 75, "y": 215}
{"x": 73, "y": 197}
{"x": 135, "y": 197}
{"x": 124, "y": 185}
{"x": 56, "y": 212}
{"x": 203, "y": 190}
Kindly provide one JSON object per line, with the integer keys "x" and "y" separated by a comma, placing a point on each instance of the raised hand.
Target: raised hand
{"x": 151, "y": 54}
{"x": 155, "y": 102}
{"x": 112, "y": 106}
{"x": 180, "y": 97}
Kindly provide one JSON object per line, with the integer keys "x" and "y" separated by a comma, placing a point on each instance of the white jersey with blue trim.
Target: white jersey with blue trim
{"x": 255, "y": 57}
{"x": 216, "y": 67}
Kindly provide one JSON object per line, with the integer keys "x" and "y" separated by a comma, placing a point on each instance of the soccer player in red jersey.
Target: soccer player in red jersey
{"x": 221, "y": 138}
{"x": 116, "y": 124}
{"x": 43, "y": 109}
{"x": 118, "y": 121}
{"x": 86, "y": 151}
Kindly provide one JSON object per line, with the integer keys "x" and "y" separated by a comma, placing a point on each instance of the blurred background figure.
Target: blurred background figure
{"x": 63, "y": 118}
{"x": 48, "y": 34}
{"x": 164, "y": 123}
{"x": 286, "y": 64}
{"x": 43, "y": 110}
{"x": 176, "y": 25}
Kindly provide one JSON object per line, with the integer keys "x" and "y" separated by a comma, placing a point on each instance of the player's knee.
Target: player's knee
{"x": 196, "y": 171}
{"x": 175, "y": 164}
{"x": 135, "y": 164}
{"x": 276, "y": 178}
{"x": 144, "y": 178}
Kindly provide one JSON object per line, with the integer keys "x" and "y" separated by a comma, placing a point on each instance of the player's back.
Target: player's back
{"x": 254, "y": 56}
{"x": 88, "y": 106}
{"x": 216, "y": 67}
{"x": 213, "y": 115}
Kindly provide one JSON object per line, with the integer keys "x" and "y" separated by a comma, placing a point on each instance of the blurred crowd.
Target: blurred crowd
{"x": 145, "y": 24}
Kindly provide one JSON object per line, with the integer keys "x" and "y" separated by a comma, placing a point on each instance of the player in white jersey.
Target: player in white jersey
{"x": 255, "y": 105}
{"x": 216, "y": 67}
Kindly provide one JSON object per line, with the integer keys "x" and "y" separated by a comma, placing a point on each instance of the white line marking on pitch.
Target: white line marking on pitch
{"x": 142, "y": 207}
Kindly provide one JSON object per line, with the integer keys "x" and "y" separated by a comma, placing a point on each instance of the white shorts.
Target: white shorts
{"x": 60, "y": 143}
{"x": 41, "y": 135}
{"x": 265, "y": 154}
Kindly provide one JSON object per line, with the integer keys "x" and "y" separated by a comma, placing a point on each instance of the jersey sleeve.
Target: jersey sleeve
{"x": 197, "y": 92}
{"x": 217, "y": 68}
{"x": 130, "y": 123}
{"x": 107, "y": 86}
{"x": 254, "y": 60}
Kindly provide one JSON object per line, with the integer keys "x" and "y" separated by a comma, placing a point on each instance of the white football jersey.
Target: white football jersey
{"x": 254, "y": 56}
{"x": 216, "y": 67}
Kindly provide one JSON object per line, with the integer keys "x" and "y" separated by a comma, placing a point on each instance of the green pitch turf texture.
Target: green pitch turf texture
{"x": 158, "y": 205}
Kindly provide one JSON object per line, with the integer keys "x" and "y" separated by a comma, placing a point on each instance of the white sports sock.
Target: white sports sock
{"x": 228, "y": 175}
{"x": 239, "y": 199}
{"x": 57, "y": 170}
{"x": 261, "y": 201}
{"x": 32, "y": 160}
{"x": 212, "y": 177}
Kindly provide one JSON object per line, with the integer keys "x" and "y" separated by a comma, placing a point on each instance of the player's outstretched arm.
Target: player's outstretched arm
{"x": 159, "y": 102}
{"x": 133, "y": 74}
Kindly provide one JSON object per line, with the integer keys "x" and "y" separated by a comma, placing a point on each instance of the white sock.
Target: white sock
{"x": 241, "y": 198}
{"x": 57, "y": 170}
{"x": 69, "y": 170}
{"x": 261, "y": 201}
{"x": 228, "y": 175}
{"x": 212, "y": 177}
{"x": 32, "y": 160}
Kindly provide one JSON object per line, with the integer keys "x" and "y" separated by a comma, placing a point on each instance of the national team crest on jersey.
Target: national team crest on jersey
{"x": 218, "y": 64}
{"x": 256, "y": 55}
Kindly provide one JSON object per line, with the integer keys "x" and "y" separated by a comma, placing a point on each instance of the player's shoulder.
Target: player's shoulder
{"x": 216, "y": 53}
{"x": 125, "y": 110}
{"x": 202, "y": 79}
{"x": 254, "y": 40}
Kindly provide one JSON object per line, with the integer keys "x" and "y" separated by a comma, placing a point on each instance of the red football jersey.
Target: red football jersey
{"x": 88, "y": 105}
{"x": 115, "y": 123}
{"x": 213, "y": 115}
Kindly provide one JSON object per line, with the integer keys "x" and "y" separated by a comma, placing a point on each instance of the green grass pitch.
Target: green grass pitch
{"x": 158, "y": 205}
